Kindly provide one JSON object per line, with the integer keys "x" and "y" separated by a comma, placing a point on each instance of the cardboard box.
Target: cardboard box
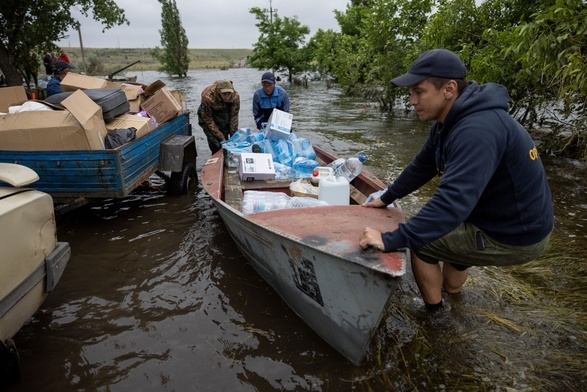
{"x": 134, "y": 95}
{"x": 279, "y": 125}
{"x": 132, "y": 91}
{"x": 10, "y": 96}
{"x": 180, "y": 98}
{"x": 143, "y": 125}
{"x": 162, "y": 106}
{"x": 80, "y": 127}
{"x": 73, "y": 81}
{"x": 256, "y": 167}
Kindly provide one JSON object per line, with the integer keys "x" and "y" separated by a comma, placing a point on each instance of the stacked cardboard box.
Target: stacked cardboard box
{"x": 81, "y": 126}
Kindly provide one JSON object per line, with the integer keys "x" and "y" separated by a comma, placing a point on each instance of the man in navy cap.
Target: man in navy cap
{"x": 60, "y": 69}
{"x": 492, "y": 206}
{"x": 267, "y": 98}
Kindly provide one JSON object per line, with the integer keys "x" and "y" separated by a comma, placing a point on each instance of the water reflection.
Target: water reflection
{"x": 157, "y": 297}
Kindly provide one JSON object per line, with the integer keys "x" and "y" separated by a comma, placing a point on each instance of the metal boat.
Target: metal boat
{"x": 311, "y": 256}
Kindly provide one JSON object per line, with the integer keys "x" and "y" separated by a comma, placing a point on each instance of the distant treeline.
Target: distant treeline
{"x": 107, "y": 60}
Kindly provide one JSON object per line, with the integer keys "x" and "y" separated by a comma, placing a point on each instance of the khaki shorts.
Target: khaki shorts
{"x": 469, "y": 246}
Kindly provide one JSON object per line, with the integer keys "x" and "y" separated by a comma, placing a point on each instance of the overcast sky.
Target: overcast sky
{"x": 223, "y": 24}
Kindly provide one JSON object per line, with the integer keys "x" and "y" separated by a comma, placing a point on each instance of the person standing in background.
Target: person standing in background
{"x": 32, "y": 70}
{"x": 218, "y": 113}
{"x": 63, "y": 56}
{"x": 48, "y": 63}
{"x": 267, "y": 98}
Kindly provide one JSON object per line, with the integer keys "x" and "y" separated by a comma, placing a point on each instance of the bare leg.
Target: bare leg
{"x": 453, "y": 279}
{"x": 429, "y": 279}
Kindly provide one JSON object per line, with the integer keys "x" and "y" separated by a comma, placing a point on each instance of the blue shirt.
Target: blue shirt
{"x": 54, "y": 86}
{"x": 263, "y": 105}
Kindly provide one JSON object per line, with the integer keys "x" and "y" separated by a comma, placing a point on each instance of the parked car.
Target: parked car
{"x": 32, "y": 259}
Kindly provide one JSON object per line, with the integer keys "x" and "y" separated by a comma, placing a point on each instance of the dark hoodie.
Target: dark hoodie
{"x": 491, "y": 176}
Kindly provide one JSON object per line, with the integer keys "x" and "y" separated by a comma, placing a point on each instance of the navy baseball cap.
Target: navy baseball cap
{"x": 437, "y": 63}
{"x": 59, "y": 66}
{"x": 268, "y": 77}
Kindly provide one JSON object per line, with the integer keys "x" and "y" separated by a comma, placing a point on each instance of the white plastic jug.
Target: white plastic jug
{"x": 334, "y": 190}
{"x": 321, "y": 172}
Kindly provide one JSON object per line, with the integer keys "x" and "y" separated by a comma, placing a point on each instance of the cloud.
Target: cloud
{"x": 208, "y": 24}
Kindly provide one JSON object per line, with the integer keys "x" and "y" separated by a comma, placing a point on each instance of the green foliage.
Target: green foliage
{"x": 280, "y": 45}
{"x": 174, "y": 56}
{"x": 536, "y": 49}
{"x": 33, "y": 26}
{"x": 95, "y": 66}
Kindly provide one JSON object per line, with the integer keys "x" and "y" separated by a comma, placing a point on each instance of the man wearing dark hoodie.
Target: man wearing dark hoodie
{"x": 493, "y": 205}
{"x": 218, "y": 113}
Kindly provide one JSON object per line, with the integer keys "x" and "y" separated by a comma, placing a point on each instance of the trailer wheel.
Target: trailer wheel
{"x": 184, "y": 182}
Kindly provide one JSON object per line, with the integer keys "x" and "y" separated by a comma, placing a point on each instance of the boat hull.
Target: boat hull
{"x": 341, "y": 301}
{"x": 312, "y": 258}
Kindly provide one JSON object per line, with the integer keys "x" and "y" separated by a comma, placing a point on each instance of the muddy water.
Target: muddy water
{"x": 156, "y": 297}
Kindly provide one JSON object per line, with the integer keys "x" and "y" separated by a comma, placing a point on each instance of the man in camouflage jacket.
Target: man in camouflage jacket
{"x": 218, "y": 113}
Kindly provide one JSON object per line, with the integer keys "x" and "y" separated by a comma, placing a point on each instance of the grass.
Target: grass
{"x": 520, "y": 328}
{"x": 114, "y": 59}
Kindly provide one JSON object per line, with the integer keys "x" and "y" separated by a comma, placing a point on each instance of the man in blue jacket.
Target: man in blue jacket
{"x": 60, "y": 70}
{"x": 267, "y": 98}
{"x": 493, "y": 205}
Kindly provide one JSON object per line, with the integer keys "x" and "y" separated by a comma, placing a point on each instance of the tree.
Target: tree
{"x": 174, "y": 56}
{"x": 280, "y": 45}
{"x": 33, "y": 26}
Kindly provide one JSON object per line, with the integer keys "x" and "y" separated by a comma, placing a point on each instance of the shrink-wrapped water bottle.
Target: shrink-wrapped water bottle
{"x": 240, "y": 135}
{"x": 301, "y": 202}
{"x": 351, "y": 167}
{"x": 282, "y": 152}
{"x": 258, "y": 201}
{"x": 304, "y": 166}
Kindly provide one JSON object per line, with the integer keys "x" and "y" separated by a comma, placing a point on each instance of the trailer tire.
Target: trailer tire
{"x": 184, "y": 182}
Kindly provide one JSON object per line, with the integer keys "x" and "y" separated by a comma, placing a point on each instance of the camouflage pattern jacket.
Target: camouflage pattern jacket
{"x": 212, "y": 102}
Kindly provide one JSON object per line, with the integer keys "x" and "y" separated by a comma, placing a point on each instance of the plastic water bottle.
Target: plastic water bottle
{"x": 336, "y": 163}
{"x": 258, "y": 201}
{"x": 255, "y": 137}
{"x": 240, "y": 135}
{"x": 304, "y": 166}
{"x": 282, "y": 152}
{"x": 301, "y": 202}
{"x": 351, "y": 167}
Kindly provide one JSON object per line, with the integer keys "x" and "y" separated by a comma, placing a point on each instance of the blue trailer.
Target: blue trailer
{"x": 74, "y": 177}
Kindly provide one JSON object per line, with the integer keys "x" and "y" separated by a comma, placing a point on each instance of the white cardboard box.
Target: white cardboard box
{"x": 256, "y": 167}
{"x": 279, "y": 125}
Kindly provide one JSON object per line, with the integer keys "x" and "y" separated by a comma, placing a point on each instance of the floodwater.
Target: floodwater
{"x": 156, "y": 296}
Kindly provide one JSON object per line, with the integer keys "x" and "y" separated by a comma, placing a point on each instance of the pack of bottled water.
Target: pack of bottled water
{"x": 302, "y": 147}
{"x": 255, "y": 202}
{"x": 303, "y": 167}
{"x": 240, "y": 135}
{"x": 259, "y": 201}
{"x": 304, "y": 202}
{"x": 282, "y": 152}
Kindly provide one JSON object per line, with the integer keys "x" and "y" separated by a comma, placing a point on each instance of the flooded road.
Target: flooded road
{"x": 156, "y": 296}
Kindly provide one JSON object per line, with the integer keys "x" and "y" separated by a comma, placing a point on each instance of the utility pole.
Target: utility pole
{"x": 81, "y": 46}
{"x": 271, "y": 12}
